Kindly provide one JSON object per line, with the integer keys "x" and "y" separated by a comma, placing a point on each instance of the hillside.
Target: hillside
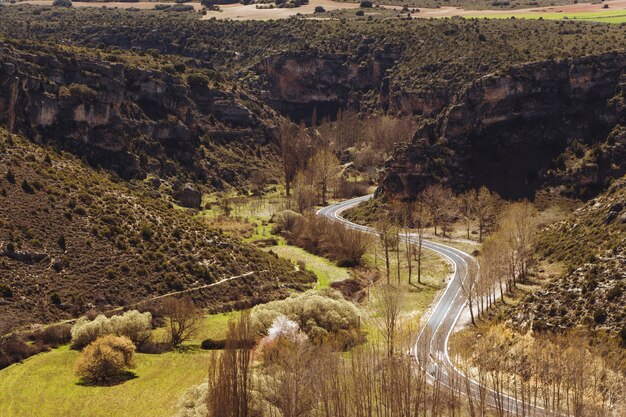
{"x": 74, "y": 239}
{"x": 593, "y": 292}
{"x": 137, "y": 114}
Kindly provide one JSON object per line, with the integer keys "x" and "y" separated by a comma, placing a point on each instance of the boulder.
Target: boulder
{"x": 617, "y": 207}
{"x": 189, "y": 196}
{"x": 609, "y": 219}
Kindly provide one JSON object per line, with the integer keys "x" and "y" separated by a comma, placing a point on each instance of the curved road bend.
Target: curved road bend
{"x": 431, "y": 346}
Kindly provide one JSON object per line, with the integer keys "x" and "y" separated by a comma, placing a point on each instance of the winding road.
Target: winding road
{"x": 431, "y": 348}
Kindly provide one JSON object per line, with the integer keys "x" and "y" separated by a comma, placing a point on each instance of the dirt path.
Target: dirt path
{"x": 169, "y": 294}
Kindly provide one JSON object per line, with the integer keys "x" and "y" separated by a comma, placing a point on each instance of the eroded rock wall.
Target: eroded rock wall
{"x": 507, "y": 131}
{"x": 126, "y": 118}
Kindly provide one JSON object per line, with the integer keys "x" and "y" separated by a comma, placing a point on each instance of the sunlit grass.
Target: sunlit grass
{"x": 325, "y": 270}
{"x": 607, "y": 16}
{"x": 45, "y": 386}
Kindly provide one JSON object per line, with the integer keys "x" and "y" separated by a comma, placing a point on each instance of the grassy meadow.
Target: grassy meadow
{"x": 604, "y": 16}
{"x": 45, "y": 386}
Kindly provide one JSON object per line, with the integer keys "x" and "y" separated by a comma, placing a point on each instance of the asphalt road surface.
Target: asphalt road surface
{"x": 431, "y": 346}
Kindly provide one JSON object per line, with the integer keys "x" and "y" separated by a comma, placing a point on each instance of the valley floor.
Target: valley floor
{"x": 45, "y": 385}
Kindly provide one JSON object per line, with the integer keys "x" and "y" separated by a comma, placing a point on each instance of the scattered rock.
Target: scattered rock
{"x": 609, "y": 219}
{"x": 25, "y": 256}
{"x": 617, "y": 207}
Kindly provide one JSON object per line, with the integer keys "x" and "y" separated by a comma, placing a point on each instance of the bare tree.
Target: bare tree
{"x": 230, "y": 377}
{"x": 467, "y": 208}
{"x": 487, "y": 204}
{"x": 409, "y": 243}
{"x": 432, "y": 198}
{"x": 388, "y": 319}
{"x": 469, "y": 286}
{"x": 296, "y": 148}
{"x": 305, "y": 195}
{"x": 385, "y": 230}
{"x": 289, "y": 383}
{"x": 183, "y": 319}
{"x": 441, "y": 205}
{"x": 347, "y": 245}
{"x": 518, "y": 224}
{"x": 420, "y": 221}
{"x": 324, "y": 166}
{"x": 493, "y": 262}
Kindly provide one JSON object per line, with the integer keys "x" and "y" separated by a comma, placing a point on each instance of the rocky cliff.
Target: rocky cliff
{"x": 133, "y": 119}
{"x": 297, "y": 83}
{"x": 554, "y": 123}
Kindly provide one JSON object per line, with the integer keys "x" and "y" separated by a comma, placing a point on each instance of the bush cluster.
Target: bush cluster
{"x": 132, "y": 324}
{"x": 323, "y": 237}
{"x": 325, "y": 316}
{"x": 105, "y": 359}
{"x": 15, "y": 347}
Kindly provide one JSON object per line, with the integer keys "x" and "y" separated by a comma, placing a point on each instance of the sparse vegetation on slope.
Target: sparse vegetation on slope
{"x": 592, "y": 244}
{"x": 79, "y": 241}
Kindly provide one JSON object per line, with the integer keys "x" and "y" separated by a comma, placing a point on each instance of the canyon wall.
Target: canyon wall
{"x": 299, "y": 83}
{"x": 132, "y": 120}
{"x": 508, "y": 131}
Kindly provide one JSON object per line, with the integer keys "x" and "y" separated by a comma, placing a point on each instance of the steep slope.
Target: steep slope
{"x": 135, "y": 114}
{"x": 552, "y": 123}
{"x": 71, "y": 240}
{"x": 593, "y": 292}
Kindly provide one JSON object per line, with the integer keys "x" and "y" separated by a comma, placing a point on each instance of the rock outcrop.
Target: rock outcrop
{"x": 508, "y": 131}
{"x": 299, "y": 83}
{"x": 189, "y": 196}
{"x": 127, "y": 118}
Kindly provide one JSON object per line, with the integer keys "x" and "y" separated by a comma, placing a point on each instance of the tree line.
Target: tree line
{"x": 518, "y": 376}
{"x": 318, "y": 161}
{"x": 438, "y": 208}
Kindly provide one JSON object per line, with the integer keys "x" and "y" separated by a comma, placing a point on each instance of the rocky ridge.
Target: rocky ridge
{"x": 593, "y": 293}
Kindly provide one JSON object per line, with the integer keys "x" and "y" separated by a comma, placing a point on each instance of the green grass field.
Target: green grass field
{"x": 45, "y": 386}
{"x": 606, "y": 16}
{"x": 325, "y": 270}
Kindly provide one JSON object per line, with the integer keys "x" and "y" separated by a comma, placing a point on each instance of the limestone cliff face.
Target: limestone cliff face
{"x": 506, "y": 131}
{"x": 132, "y": 120}
{"x": 295, "y": 83}
{"x": 298, "y": 82}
